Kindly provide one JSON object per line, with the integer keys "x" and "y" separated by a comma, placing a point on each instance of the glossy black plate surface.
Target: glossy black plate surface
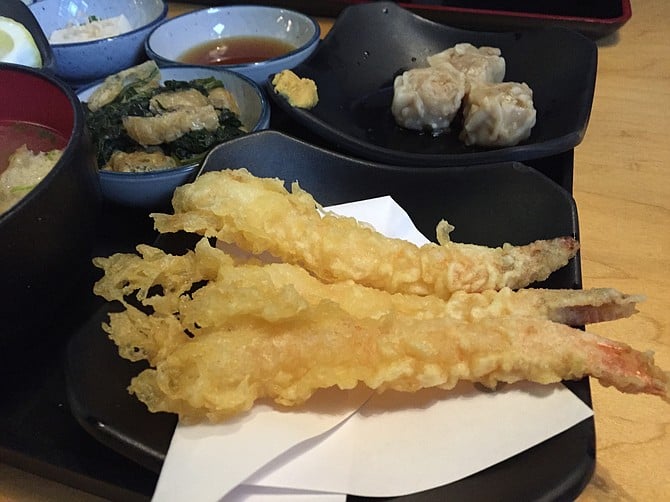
{"x": 489, "y": 205}
{"x": 371, "y": 43}
{"x": 595, "y": 18}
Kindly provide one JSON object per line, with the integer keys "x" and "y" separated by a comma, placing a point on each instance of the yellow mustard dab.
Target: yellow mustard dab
{"x": 299, "y": 92}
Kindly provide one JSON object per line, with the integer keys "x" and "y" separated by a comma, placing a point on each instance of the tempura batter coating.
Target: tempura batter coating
{"x": 137, "y": 274}
{"x": 260, "y": 215}
{"x": 278, "y": 292}
{"x": 223, "y": 372}
{"x": 221, "y": 334}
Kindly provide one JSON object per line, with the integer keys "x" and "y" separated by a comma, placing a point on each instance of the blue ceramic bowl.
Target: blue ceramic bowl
{"x": 154, "y": 190}
{"x": 168, "y": 42}
{"x": 84, "y": 62}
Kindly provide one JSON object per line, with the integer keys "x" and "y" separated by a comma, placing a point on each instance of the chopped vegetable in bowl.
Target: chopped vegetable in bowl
{"x": 140, "y": 124}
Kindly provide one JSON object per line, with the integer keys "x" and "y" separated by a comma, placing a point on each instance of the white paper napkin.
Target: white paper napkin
{"x": 399, "y": 443}
{"x": 359, "y": 442}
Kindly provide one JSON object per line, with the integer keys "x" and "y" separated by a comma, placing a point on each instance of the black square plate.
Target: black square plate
{"x": 369, "y": 44}
{"x": 507, "y": 202}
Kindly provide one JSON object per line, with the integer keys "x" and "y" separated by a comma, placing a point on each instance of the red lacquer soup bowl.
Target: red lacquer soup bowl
{"x": 47, "y": 235}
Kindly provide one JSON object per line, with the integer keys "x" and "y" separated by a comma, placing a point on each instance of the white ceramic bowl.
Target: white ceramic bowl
{"x": 84, "y": 62}
{"x": 167, "y": 43}
{"x": 154, "y": 189}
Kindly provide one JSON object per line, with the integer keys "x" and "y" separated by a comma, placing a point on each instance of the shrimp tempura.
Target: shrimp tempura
{"x": 260, "y": 215}
{"x": 221, "y": 372}
{"x": 345, "y": 306}
{"x": 278, "y": 291}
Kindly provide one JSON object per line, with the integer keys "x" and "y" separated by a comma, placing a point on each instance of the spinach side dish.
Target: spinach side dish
{"x": 138, "y": 123}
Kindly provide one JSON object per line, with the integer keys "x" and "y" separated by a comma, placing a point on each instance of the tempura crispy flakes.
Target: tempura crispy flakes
{"x": 223, "y": 372}
{"x": 220, "y": 332}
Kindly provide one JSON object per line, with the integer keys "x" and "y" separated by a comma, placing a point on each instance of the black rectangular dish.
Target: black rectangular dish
{"x": 120, "y": 454}
{"x": 369, "y": 45}
{"x": 595, "y": 18}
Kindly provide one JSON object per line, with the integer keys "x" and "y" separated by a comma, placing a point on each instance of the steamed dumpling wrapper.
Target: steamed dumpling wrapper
{"x": 483, "y": 64}
{"x": 427, "y": 99}
{"x": 498, "y": 114}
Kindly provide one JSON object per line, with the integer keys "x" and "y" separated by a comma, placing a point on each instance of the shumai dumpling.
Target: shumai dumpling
{"x": 500, "y": 114}
{"x": 427, "y": 99}
{"x": 478, "y": 64}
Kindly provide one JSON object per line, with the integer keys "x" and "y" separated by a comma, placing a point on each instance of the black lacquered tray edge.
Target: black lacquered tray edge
{"x": 490, "y": 19}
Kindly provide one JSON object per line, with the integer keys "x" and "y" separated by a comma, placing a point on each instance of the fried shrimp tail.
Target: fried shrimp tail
{"x": 574, "y": 307}
{"x": 259, "y": 215}
{"x": 223, "y": 372}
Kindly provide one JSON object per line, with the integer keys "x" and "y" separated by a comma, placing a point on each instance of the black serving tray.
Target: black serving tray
{"x": 79, "y": 426}
{"x": 593, "y": 18}
{"x": 38, "y": 432}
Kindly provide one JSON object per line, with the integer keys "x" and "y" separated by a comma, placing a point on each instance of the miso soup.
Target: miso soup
{"x": 36, "y": 137}
{"x": 27, "y": 153}
{"x": 236, "y": 50}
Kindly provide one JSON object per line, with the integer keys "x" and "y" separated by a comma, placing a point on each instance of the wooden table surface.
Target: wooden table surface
{"x": 622, "y": 189}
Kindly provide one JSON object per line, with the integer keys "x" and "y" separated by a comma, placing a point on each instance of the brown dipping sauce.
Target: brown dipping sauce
{"x": 236, "y": 50}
